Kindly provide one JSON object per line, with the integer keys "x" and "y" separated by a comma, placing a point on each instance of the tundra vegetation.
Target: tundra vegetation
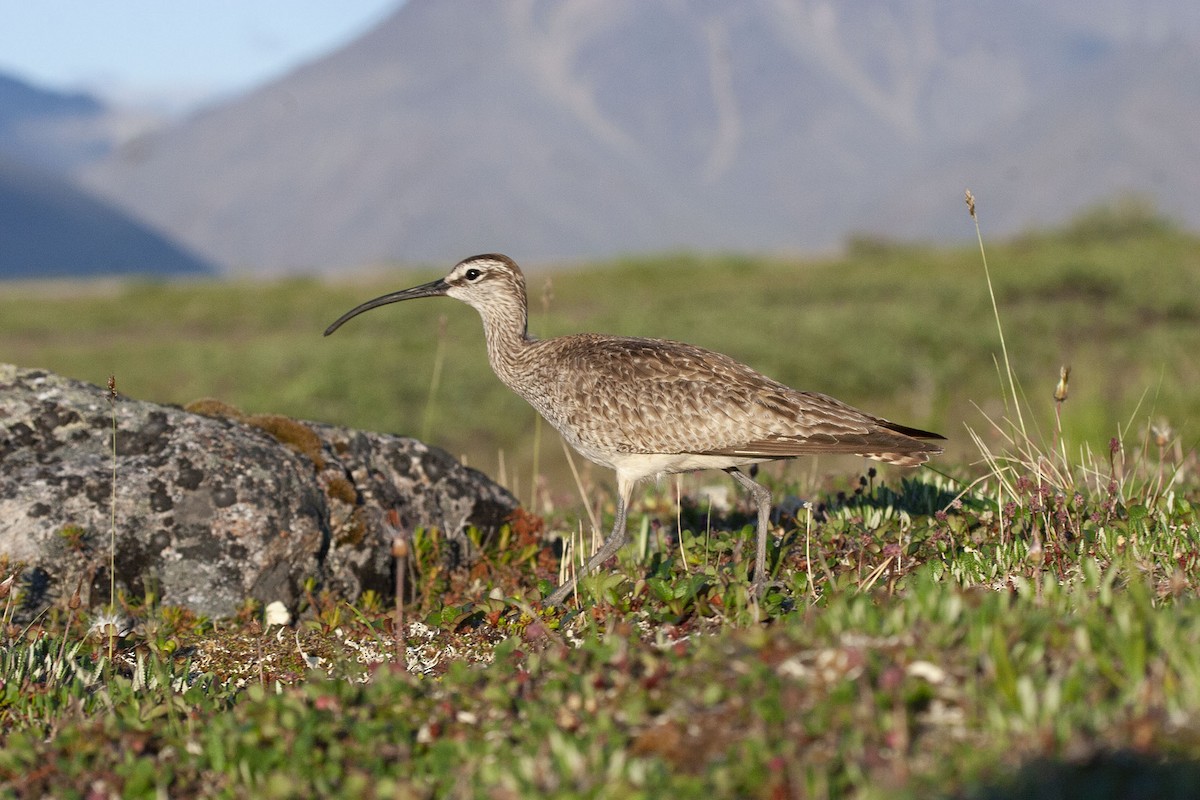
{"x": 1021, "y": 617}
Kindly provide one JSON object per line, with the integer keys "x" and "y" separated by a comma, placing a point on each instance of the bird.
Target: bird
{"x": 649, "y": 407}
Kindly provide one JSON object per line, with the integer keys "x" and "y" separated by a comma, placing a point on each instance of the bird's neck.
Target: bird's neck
{"x": 506, "y": 328}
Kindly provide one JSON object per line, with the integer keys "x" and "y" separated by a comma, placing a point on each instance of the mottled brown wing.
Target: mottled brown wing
{"x": 809, "y": 423}
{"x": 657, "y": 396}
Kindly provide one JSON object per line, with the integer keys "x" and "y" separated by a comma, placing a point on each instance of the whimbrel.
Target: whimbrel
{"x": 648, "y": 407}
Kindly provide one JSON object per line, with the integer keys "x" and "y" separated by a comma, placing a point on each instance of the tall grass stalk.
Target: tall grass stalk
{"x": 1049, "y": 464}
{"x": 111, "y": 395}
{"x": 587, "y": 506}
{"x": 679, "y": 519}
{"x": 112, "y": 524}
{"x": 502, "y": 470}
{"x": 643, "y": 540}
{"x": 566, "y": 565}
{"x": 1061, "y": 392}
{"x": 707, "y": 529}
{"x": 399, "y": 628}
{"x": 435, "y": 380}
{"x": 1018, "y": 449}
{"x": 7, "y": 594}
{"x": 537, "y": 457}
{"x": 1012, "y": 386}
{"x": 812, "y": 586}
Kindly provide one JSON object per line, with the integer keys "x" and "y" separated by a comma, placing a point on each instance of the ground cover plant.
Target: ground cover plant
{"x": 1020, "y": 620}
{"x": 908, "y": 653}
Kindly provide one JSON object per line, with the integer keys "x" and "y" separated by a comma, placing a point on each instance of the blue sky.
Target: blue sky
{"x": 172, "y": 54}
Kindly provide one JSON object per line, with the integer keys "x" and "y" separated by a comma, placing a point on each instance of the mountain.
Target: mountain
{"x": 1122, "y": 128}
{"x": 56, "y": 131}
{"x": 50, "y": 229}
{"x": 563, "y": 129}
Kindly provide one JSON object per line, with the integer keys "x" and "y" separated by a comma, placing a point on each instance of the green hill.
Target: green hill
{"x": 904, "y": 331}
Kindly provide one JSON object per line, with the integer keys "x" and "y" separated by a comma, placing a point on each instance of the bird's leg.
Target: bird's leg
{"x": 611, "y": 545}
{"x": 762, "y": 498}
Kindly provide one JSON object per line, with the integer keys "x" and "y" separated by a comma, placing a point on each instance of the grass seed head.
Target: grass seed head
{"x": 1162, "y": 433}
{"x": 399, "y": 547}
{"x": 1060, "y": 391}
{"x": 110, "y": 623}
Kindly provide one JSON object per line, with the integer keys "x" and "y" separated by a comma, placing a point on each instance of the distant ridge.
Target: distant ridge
{"x": 56, "y": 131}
{"x": 50, "y": 229}
{"x": 572, "y": 129}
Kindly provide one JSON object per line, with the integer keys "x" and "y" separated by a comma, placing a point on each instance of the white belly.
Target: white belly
{"x": 635, "y": 466}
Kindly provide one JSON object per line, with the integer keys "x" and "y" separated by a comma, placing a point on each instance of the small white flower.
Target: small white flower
{"x": 277, "y": 614}
{"x": 102, "y": 621}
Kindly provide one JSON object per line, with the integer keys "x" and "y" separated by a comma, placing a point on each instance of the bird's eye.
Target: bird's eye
{"x": 472, "y": 274}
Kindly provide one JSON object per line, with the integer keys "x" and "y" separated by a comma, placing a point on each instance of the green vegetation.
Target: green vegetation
{"x": 1025, "y": 623}
{"x": 903, "y": 331}
{"x": 970, "y": 651}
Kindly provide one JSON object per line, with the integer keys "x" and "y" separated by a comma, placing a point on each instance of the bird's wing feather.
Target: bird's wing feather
{"x": 657, "y": 396}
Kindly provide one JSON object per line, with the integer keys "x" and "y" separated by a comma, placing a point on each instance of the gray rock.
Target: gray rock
{"x": 211, "y": 506}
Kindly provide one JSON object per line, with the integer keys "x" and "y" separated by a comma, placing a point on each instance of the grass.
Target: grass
{"x": 901, "y": 330}
{"x": 930, "y": 656}
{"x": 1024, "y": 624}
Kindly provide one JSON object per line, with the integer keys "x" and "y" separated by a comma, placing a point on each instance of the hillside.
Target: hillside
{"x": 56, "y": 131}
{"x": 904, "y": 332}
{"x": 51, "y": 229}
{"x": 559, "y": 131}
{"x": 49, "y": 226}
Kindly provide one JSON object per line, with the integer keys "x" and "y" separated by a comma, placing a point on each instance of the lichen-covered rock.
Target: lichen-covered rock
{"x": 215, "y": 507}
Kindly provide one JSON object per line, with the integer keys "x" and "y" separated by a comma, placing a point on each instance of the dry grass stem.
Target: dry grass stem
{"x": 435, "y": 380}
{"x": 679, "y": 520}
{"x": 399, "y": 631}
{"x": 587, "y": 505}
{"x": 111, "y": 396}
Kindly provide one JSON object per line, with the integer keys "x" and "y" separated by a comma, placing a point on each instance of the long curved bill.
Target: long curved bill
{"x": 432, "y": 289}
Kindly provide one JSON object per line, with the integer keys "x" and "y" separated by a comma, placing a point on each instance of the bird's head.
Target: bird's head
{"x": 491, "y": 284}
